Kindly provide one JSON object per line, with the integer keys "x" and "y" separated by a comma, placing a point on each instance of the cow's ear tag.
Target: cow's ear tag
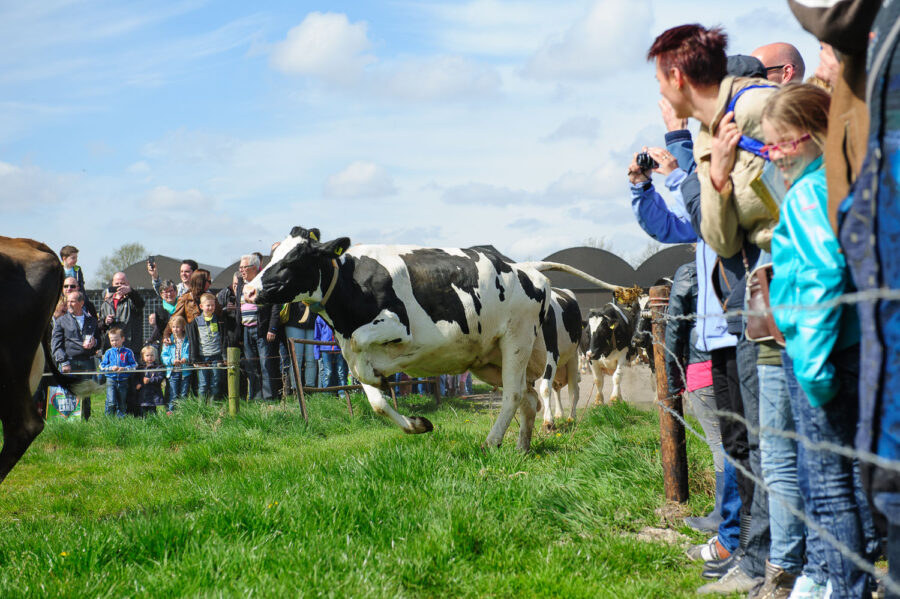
{"x": 612, "y": 326}
{"x": 313, "y": 236}
{"x": 338, "y": 251}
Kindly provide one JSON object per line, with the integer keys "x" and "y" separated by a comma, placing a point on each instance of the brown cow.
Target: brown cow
{"x": 31, "y": 277}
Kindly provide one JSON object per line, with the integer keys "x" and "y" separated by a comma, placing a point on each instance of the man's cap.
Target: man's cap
{"x": 740, "y": 65}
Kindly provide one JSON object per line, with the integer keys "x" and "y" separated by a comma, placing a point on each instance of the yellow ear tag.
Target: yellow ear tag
{"x": 313, "y": 237}
{"x": 612, "y": 326}
{"x": 338, "y": 251}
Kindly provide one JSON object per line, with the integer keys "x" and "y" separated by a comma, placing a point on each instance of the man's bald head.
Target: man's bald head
{"x": 782, "y": 61}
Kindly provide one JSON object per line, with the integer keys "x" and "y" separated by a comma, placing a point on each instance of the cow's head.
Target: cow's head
{"x": 296, "y": 270}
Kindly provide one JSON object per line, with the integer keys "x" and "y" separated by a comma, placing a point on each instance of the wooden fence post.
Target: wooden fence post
{"x": 234, "y": 379}
{"x": 673, "y": 451}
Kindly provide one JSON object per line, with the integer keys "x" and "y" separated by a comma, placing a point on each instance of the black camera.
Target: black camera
{"x": 151, "y": 260}
{"x": 645, "y": 161}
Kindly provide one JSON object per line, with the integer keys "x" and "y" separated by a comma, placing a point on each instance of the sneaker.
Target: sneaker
{"x": 778, "y": 583}
{"x": 735, "y": 581}
{"x": 807, "y": 588}
{"x": 708, "y": 551}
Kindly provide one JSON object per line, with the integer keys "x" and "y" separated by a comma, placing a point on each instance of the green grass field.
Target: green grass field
{"x": 264, "y": 505}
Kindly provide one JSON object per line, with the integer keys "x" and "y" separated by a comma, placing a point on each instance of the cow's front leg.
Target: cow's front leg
{"x": 616, "y": 394}
{"x": 597, "y": 371}
{"x": 410, "y": 425}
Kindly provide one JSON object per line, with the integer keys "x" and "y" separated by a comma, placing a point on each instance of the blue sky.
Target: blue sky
{"x": 209, "y": 129}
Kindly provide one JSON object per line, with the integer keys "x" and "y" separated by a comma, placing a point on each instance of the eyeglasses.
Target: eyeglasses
{"x": 783, "y": 146}
{"x": 775, "y": 68}
{"x": 246, "y": 267}
{"x": 70, "y": 286}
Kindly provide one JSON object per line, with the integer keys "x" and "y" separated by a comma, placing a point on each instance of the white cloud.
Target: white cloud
{"x": 579, "y": 127}
{"x": 482, "y": 193}
{"x": 27, "y": 188}
{"x": 360, "y": 180}
{"x": 440, "y": 77}
{"x": 325, "y": 45}
{"x": 138, "y": 168}
{"x": 613, "y": 36}
{"x": 189, "y": 200}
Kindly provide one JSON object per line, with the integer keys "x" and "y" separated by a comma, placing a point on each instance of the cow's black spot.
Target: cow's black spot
{"x": 501, "y": 263}
{"x": 571, "y": 316}
{"x": 499, "y": 287}
{"x": 432, "y": 272}
{"x": 364, "y": 289}
{"x": 549, "y": 330}
{"x": 479, "y": 327}
{"x": 538, "y": 295}
{"x": 548, "y": 372}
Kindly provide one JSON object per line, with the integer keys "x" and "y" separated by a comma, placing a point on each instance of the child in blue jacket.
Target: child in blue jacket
{"x": 116, "y": 363}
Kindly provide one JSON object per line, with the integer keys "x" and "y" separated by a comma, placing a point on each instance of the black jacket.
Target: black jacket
{"x": 681, "y": 335}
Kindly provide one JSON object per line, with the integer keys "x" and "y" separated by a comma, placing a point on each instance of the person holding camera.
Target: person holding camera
{"x": 123, "y": 308}
{"x": 187, "y": 268}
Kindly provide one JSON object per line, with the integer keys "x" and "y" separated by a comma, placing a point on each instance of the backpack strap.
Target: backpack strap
{"x": 747, "y": 143}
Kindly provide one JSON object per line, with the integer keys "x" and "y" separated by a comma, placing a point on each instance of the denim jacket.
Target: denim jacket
{"x": 809, "y": 270}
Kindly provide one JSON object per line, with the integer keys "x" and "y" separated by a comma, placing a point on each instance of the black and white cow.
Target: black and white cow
{"x": 616, "y": 337}
{"x": 423, "y": 311}
{"x": 562, "y": 332}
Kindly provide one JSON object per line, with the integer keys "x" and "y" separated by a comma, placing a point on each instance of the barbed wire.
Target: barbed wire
{"x": 823, "y": 532}
{"x": 850, "y": 453}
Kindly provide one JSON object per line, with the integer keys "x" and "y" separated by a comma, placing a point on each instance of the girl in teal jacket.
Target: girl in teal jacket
{"x": 821, "y": 360}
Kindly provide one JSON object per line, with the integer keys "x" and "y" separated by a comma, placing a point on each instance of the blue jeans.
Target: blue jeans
{"x": 260, "y": 368}
{"x": 179, "y": 386}
{"x": 305, "y": 354}
{"x": 209, "y": 381}
{"x": 116, "y": 393}
{"x": 778, "y": 455}
{"x": 828, "y": 482}
{"x": 757, "y": 550}
{"x": 333, "y": 369}
{"x": 730, "y": 527}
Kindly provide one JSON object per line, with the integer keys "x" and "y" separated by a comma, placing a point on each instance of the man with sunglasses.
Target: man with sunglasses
{"x": 74, "y": 340}
{"x": 782, "y": 61}
{"x": 70, "y": 284}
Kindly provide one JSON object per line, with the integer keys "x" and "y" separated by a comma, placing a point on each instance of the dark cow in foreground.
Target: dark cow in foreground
{"x": 562, "y": 333}
{"x": 423, "y": 311}
{"x": 31, "y": 277}
{"x": 618, "y": 334}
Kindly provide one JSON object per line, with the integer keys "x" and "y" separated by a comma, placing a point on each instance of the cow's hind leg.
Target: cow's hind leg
{"x": 528, "y": 408}
{"x": 546, "y": 393}
{"x": 20, "y": 418}
{"x": 574, "y": 382}
{"x": 410, "y": 425}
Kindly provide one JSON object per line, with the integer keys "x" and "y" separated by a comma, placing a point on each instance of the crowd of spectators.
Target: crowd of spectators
{"x": 786, "y": 215}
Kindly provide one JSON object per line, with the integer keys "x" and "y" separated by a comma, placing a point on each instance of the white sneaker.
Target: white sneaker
{"x": 704, "y": 552}
{"x": 807, "y": 588}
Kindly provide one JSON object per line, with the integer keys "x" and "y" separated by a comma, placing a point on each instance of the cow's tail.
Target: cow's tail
{"x": 81, "y": 386}
{"x": 545, "y": 266}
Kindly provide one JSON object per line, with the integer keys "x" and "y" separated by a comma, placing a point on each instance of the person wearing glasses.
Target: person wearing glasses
{"x": 74, "y": 340}
{"x": 782, "y": 61}
{"x": 71, "y": 284}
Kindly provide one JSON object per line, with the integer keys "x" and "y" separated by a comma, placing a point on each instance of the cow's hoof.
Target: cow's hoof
{"x": 420, "y": 425}
{"x": 598, "y": 402}
{"x": 615, "y": 399}
{"x": 548, "y": 426}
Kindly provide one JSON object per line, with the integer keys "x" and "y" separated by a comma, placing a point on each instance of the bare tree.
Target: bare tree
{"x": 601, "y": 243}
{"x": 120, "y": 259}
{"x": 648, "y": 251}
